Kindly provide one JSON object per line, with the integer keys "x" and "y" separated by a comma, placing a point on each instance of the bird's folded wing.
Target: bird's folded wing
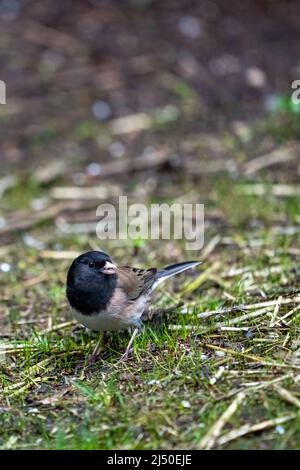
{"x": 135, "y": 281}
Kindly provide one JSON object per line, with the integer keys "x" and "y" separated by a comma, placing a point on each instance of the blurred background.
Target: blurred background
{"x": 161, "y": 101}
{"x": 185, "y": 101}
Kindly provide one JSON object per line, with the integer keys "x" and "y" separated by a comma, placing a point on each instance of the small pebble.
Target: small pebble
{"x": 33, "y": 242}
{"x": 149, "y": 151}
{"x": 5, "y": 267}
{"x": 186, "y": 404}
{"x": 38, "y": 204}
{"x": 79, "y": 179}
{"x": 272, "y": 102}
{"x": 101, "y": 110}
{"x": 168, "y": 114}
{"x": 153, "y": 382}
{"x": 190, "y": 27}
{"x": 256, "y": 77}
{"x": 280, "y": 429}
{"x": 220, "y": 353}
{"x": 224, "y": 65}
{"x": 249, "y": 334}
{"x": 58, "y": 246}
{"x": 93, "y": 169}
{"x": 117, "y": 149}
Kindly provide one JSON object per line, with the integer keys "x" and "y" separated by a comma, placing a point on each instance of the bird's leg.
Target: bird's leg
{"x": 97, "y": 348}
{"x": 98, "y": 345}
{"x": 129, "y": 346}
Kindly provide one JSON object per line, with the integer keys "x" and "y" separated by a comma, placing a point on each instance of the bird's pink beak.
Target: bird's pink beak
{"x": 109, "y": 268}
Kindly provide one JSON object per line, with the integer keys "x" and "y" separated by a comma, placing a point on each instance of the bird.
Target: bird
{"x": 105, "y": 297}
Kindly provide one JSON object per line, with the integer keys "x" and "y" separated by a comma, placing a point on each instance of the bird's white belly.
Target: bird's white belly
{"x": 99, "y": 321}
{"x": 109, "y": 320}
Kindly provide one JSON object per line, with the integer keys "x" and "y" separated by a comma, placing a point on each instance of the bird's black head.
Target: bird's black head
{"x": 91, "y": 282}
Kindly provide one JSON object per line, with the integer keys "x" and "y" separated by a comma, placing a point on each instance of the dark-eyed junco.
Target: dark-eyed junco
{"x": 105, "y": 297}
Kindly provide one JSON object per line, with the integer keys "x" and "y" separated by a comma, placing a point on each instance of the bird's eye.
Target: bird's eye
{"x": 91, "y": 264}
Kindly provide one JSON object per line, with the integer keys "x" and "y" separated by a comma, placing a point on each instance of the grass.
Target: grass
{"x": 193, "y": 380}
{"x": 225, "y": 380}
{"x": 184, "y": 372}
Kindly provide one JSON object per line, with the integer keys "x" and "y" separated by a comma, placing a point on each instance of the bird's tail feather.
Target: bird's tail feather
{"x": 172, "y": 270}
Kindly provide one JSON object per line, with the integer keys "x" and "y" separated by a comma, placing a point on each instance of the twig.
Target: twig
{"x": 254, "y": 388}
{"x": 36, "y": 367}
{"x": 288, "y": 314}
{"x": 281, "y": 155}
{"x": 275, "y": 312}
{"x": 120, "y": 167}
{"x": 286, "y": 339}
{"x": 252, "y": 357}
{"x": 287, "y": 396}
{"x": 26, "y": 222}
{"x": 40, "y": 34}
{"x": 248, "y": 428}
{"x": 26, "y": 387}
{"x": 280, "y": 190}
{"x": 217, "y": 375}
{"x": 233, "y": 328}
{"x": 267, "y": 303}
{"x": 208, "y": 441}
{"x": 247, "y": 316}
{"x": 51, "y": 254}
{"x": 61, "y": 326}
{"x": 131, "y": 123}
{"x": 7, "y": 182}
{"x": 191, "y": 286}
{"x": 211, "y": 246}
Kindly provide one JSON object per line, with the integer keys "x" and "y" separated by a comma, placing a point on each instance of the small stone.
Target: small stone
{"x": 117, "y": 149}
{"x": 255, "y": 77}
{"x": 249, "y": 334}
{"x": 33, "y": 242}
{"x": 220, "y": 353}
{"x": 224, "y": 65}
{"x": 93, "y": 169}
{"x": 38, "y": 204}
{"x": 190, "y": 27}
{"x": 272, "y": 102}
{"x": 280, "y": 429}
{"x": 153, "y": 382}
{"x": 186, "y": 404}
{"x": 5, "y": 267}
{"x": 101, "y": 110}
{"x": 79, "y": 179}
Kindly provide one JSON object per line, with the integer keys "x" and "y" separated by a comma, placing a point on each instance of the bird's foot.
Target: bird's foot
{"x": 93, "y": 358}
{"x": 129, "y": 346}
{"x": 126, "y": 355}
